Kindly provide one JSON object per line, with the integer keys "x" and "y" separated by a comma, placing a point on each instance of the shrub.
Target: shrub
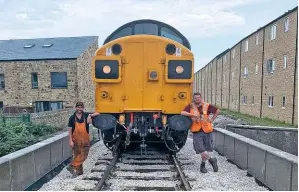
{"x": 16, "y": 136}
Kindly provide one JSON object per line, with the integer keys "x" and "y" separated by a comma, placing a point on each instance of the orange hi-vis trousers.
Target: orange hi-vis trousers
{"x": 81, "y": 146}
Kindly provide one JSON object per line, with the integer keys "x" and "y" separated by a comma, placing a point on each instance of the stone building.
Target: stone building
{"x": 47, "y": 73}
{"x": 259, "y": 73}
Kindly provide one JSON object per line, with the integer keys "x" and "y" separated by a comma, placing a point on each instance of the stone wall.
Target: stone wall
{"x": 86, "y": 87}
{"x": 57, "y": 118}
{"x": 18, "y": 87}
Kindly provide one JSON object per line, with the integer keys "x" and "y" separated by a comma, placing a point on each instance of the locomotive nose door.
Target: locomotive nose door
{"x": 153, "y": 76}
{"x": 143, "y": 76}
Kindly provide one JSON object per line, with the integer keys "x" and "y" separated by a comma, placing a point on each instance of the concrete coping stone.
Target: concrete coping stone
{"x": 262, "y": 127}
{"x": 31, "y": 148}
{"x": 269, "y": 149}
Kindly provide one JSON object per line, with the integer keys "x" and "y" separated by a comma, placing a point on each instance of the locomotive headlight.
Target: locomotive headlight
{"x": 179, "y": 69}
{"x": 106, "y": 69}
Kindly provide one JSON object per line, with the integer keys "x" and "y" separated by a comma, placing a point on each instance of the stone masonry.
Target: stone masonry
{"x": 18, "y": 87}
{"x": 247, "y": 67}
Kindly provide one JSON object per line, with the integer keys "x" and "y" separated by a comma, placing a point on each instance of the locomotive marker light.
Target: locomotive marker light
{"x": 179, "y": 69}
{"x": 170, "y": 49}
{"x": 116, "y": 49}
{"x": 106, "y": 69}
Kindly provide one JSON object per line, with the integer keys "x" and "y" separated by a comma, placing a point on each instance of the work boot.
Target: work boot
{"x": 213, "y": 162}
{"x": 203, "y": 168}
{"x": 70, "y": 169}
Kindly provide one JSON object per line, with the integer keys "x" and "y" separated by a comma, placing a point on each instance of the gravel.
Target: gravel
{"x": 229, "y": 177}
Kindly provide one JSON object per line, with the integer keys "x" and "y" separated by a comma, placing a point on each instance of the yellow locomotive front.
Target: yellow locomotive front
{"x": 143, "y": 75}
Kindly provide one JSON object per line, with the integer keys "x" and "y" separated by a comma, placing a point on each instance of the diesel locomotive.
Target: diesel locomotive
{"x": 143, "y": 76}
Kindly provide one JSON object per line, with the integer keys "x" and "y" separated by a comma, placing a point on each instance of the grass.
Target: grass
{"x": 251, "y": 120}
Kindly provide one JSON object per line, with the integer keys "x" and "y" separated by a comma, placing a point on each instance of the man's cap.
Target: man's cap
{"x": 79, "y": 104}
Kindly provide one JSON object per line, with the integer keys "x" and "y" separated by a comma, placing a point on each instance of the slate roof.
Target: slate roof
{"x": 44, "y": 48}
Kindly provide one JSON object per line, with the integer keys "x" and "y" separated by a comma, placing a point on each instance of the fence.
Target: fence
{"x": 15, "y": 118}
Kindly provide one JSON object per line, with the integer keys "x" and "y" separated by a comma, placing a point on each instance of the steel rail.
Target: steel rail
{"x": 181, "y": 174}
{"x": 109, "y": 168}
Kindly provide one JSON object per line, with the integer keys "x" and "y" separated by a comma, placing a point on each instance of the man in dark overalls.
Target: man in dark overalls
{"x": 79, "y": 138}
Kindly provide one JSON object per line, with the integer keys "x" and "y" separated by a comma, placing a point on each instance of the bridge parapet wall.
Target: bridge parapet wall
{"x": 275, "y": 168}
{"x": 285, "y": 139}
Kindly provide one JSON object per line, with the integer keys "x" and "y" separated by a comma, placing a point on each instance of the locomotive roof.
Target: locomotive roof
{"x": 154, "y": 28}
{"x": 44, "y": 48}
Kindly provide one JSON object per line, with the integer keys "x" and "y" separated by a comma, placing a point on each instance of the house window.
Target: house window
{"x": 41, "y": 106}
{"x": 270, "y": 65}
{"x": 244, "y": 100}
{"x": 256, "y": 69}
{"x": 270, "y": 101}
{"x": 286, "y": 24}
{"x": 283, "y": 101}
{"x": 58, "y": 79}
{"x": 233, "y": 53}
{"x": 273, "y": 32}
{"x": 257, "y": 39}
{"x": 2, "y": 81}
{"x": 246, "y": 45}
{"x": 252, "y": 100}
{"x": 34, "y": 80}
{"x": 245, "y": 72}
{"x": 285, "y": 61}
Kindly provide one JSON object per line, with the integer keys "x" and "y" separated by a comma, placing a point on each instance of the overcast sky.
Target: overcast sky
{"x": 210, "y": 25}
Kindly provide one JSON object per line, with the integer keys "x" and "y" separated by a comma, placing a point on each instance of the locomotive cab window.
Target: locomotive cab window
{"x": 146, "y": 28}
{"x": 165, "y": 32}
{"x": 122, "y": 33}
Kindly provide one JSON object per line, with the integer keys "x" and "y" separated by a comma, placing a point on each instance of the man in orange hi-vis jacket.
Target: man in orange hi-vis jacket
{"x": 79, "y": 138}
{"x": 202, "y": 129}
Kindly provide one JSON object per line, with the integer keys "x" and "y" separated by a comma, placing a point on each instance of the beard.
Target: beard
{"x": 79, "y": 111}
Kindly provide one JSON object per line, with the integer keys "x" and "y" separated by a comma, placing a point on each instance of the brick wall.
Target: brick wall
{"x": 234, "y": 81}
{"x": 57, "y": 118}
{"x": 279, "y": 83}
{"x": 252, "y": 60}
{"x": 224, "y": 76}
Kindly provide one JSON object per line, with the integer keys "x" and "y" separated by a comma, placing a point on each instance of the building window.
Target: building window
{"x": 286, "y": 24}
{"x": 256, "y": 69}
{"x": 283, "y": 101}
{"x": 1, "y": 105}
{"x": 233, "y": 53}
{"x": 252, "y": 100}
{"x": 245, "y": 72}
{"x": 34, "y": 80}
{"x": 58, "y": 79}
{"x": 257, "y": 39}
{"x": 246, "y": 45}
{"x": 2, "y": 81}
{"x": 244, "y": 100}
{"x": 41, "y": 106}
{"x": 285, "y": 61}
{"x": 270, "y": 101}
{"x": 270, "y": 65}
{"x": 273, "y": 32}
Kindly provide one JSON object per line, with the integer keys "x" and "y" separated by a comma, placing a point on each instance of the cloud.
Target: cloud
{"x": 194, "y": 18}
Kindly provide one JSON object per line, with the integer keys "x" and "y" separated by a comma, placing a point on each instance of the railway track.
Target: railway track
{"x": 155, "y": 171}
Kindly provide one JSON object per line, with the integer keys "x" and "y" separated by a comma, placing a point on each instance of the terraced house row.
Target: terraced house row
{"x": 258, "y": 76}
